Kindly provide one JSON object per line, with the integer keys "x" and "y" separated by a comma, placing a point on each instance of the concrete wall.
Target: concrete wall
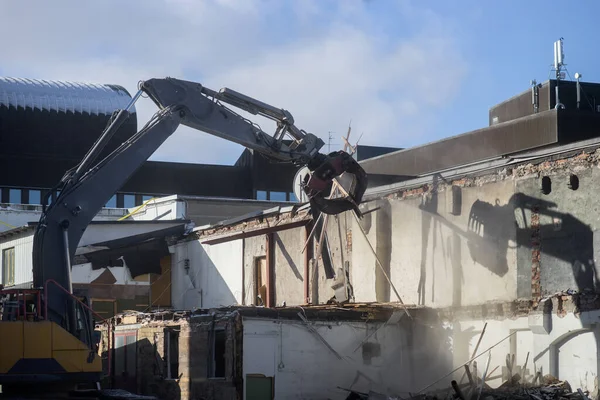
{"x": 211, "y": 278}
{"x": 289, "y": 266}
{"x": 567, "y": 225}
{"x": 439, "y": 259}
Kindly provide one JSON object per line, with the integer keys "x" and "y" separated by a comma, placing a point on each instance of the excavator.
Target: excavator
{"x": 47, "y": 335}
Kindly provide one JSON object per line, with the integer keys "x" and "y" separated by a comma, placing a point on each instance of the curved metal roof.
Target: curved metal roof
{"x": 62, "y": 96}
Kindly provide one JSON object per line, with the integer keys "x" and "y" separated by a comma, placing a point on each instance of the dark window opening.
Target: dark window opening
{"x": 172, "y": 353}
{"x": 573, "y": 182}
{"x": 218, "y": 370}
{"x": 546, "y": 185}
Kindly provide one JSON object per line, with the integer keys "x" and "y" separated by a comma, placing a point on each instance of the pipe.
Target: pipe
{"x": 307, "y": 257}
{"x": 106, "y": 136}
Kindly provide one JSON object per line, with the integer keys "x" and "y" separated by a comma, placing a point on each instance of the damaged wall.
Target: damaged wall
{"x": 178, "y": 358}
{"x": 435, "y": 258}
{"x": 394, "y": 357}
{"x": 205, "y": 276}
{"x": 522, "y": 232}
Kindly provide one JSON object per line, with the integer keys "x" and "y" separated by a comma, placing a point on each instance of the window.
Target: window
{"x": 261, "y": 195}
{"x": 218, "y": 359}
{"x": 172, "y": 353}
{"x": 278, "y": 196}
{"x": 125, "y": 355}
{"x": 112, "y": 203}
{"x": 260, "y": 281}
{"x": 35, "y": 197}
{"x": 145, "y": 198}
{"x": 293, "y": 197}
{"x": 8, "y": 266}
{"x": 14, "y": 196}
{"x": 128, "y": 200}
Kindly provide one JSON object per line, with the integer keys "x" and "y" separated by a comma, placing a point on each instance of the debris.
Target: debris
{"x": 354, "y": 395}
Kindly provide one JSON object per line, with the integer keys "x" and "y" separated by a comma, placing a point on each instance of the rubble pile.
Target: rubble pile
{"x": 555, "y": 391}
{"x": 547, "y": 388}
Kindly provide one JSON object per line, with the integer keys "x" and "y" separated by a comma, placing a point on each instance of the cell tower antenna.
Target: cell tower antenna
{"x": 559, "y": 57}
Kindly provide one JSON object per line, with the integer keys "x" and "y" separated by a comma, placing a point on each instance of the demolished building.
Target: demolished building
{"x": 487, "y": 257}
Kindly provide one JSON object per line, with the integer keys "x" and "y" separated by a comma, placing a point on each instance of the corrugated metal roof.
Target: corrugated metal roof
{"x": 62, "y": 96}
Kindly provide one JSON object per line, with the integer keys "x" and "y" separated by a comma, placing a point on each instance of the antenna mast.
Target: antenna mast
{"x": 559, "y": 57}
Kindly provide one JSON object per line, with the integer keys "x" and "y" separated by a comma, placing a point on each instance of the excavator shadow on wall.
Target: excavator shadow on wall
{"x": 532, "y": 223}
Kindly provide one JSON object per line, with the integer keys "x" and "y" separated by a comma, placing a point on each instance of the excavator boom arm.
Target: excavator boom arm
{"x": 85, "y": 189}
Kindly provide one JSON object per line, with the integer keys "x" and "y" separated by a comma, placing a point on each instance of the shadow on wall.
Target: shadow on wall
{"x": 139, "y": 368}
{"x": 532, "y": 225}
{"x": 200, "y": 284}
{"x": 566, "y": 238}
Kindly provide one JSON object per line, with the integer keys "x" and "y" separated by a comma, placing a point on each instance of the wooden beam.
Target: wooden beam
{"x": 256, "y": 232}
{"x": 270, "y": 253}
{"x": 308, "y": 255}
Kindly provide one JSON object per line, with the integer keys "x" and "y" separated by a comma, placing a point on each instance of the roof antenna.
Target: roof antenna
{"x": 535, "y": 95}
{"x": 559, "y": 57}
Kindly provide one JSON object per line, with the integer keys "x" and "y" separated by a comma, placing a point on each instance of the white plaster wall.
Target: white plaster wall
{"x": 163, "y": 208}
{"x": 23, "y": 245}
{"x": 304, "y": 367}
{"x": 17, "y": 215}
{"x": 214, "y": 277}
{"x": 97, "y": 233}
{"x": 568, "y": 351}
{"x": 415, "y": 354}
{"x": 362, "y": 272}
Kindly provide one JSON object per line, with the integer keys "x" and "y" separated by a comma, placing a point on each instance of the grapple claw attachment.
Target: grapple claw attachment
{"x": 337, "y": 185}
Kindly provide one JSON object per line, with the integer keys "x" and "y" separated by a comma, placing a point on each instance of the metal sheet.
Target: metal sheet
{"x": 62, "y": 96}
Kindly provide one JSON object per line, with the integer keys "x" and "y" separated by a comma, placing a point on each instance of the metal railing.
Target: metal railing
{"x": 103, "y": 320}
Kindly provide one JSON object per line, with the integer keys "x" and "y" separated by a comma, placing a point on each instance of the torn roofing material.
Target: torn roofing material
{"x": 62, "y": 96}
{"x": 372, "y": 312}
{"x": 142, "y": 253}
{"x": 253, "y": 224}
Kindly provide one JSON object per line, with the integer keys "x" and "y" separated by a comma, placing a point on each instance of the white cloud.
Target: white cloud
{"x": 326, "y": 62}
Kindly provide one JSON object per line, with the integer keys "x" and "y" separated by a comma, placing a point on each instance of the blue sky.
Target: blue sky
{"x": 405, "y": 72}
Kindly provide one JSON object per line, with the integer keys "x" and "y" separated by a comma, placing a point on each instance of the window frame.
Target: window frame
{"x": 4, "y": 263}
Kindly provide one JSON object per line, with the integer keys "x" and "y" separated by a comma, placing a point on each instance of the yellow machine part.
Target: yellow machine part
{"x": 43, "y": 348}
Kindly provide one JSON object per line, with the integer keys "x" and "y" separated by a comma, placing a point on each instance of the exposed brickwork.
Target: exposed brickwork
{"x": 195, "y": 350}
{"x": 536, "y": 287}
{"x": 576, "y": 161}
